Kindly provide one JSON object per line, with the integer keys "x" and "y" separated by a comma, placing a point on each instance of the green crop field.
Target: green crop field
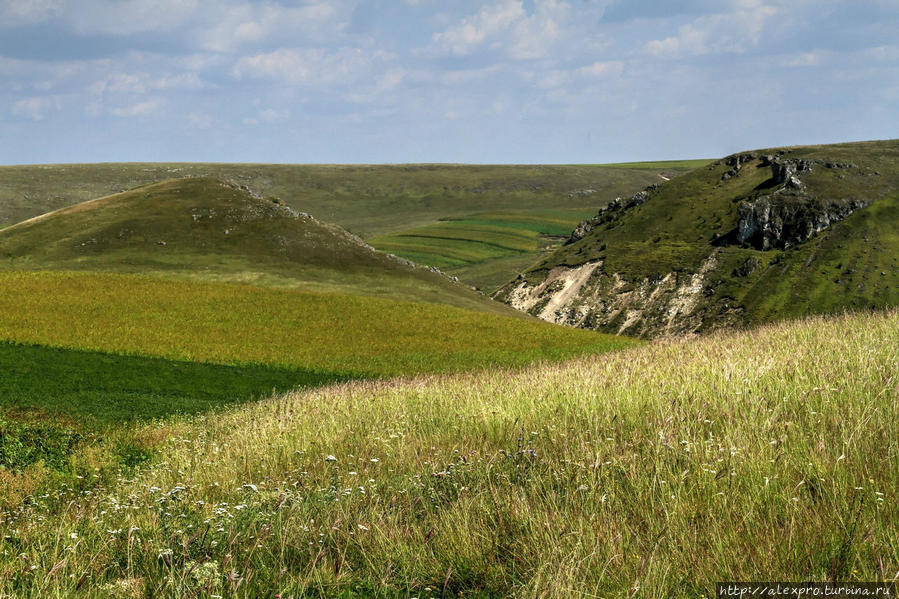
{"x": 265, "y": 339}
{"x": 483, "y": 249}
{"x": 663, "y": 468}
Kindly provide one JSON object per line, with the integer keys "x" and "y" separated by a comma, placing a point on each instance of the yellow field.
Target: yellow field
{"x": 238, "y": 324}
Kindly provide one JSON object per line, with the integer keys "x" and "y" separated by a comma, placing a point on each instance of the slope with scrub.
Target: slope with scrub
{"x": 207, "y": 229}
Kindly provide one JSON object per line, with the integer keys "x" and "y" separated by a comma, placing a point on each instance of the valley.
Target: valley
{"x": 449, "y": 380}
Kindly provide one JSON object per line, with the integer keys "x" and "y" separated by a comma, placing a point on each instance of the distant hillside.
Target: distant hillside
{"x": 754, "y": 237}
{"x": 204, "y": 228}
{"x": 391, "y": 202}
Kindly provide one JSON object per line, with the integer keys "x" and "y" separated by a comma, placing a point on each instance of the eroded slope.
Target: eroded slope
{"x": 754, "y": 237}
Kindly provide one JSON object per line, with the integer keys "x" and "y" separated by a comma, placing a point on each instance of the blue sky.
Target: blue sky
{"x": 496, "y": 81}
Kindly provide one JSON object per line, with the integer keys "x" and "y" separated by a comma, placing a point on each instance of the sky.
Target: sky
{"x": 399, "y": 81}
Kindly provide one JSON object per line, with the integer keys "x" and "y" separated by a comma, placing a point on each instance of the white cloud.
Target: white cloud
{"x": 15, "y": 13}
{"x": 128, "y": 17}
{"x": 312, "y": 67}
{"x": 507, "y": 26}
{"x": 242, "y": 24}
{"x": 733, "y": 32}
{"x": 136, "y": 110}
{"x": 200, "y": 120}
{"x": 804, "y": 59}
{"x": 35, "y": 108}
{"x": 535, "y": 36}
{"x": 473, "y": 31}
{"x": 268, "y": 116}
{"x": 601, "y": 69}
{"x": 468, "y": 76}
{"x": 141, "y": 83}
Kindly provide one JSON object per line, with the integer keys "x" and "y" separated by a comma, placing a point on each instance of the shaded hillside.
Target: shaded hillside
{"x": 204, "y": 228}
{"x": 751, "y": 238}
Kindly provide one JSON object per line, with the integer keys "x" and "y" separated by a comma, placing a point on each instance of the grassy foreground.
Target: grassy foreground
{"x": 765, "y": 455}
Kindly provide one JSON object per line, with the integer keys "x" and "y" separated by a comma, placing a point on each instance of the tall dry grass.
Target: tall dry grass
{"x": 654, "y": 472}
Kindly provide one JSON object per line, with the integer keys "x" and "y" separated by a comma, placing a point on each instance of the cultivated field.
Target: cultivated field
{"x": 276, "y": 338}
{"x": 655, "y": 472}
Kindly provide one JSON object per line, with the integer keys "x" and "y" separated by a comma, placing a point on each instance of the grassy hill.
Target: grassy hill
{"x": 137, "y": 283}
{"x": 664, "y": 468}
{"x": 751, "y": 238}
{"x": 372, "y": 201}
{"x": 206, "y": 229}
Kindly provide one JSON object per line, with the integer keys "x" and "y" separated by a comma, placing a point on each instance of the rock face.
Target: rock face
{"x": 789, "y": 215}
{"x": 611, "y": 212}
{"x": 587, "y": 297}
{"x": 782, "y": 221}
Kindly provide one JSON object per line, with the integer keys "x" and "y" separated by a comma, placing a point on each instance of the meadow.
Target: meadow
{"x": 242, "y": 324}
{"x": 78, "y": 388}
{"x": 654, "y": 472}
{"x": 110, "y": 347}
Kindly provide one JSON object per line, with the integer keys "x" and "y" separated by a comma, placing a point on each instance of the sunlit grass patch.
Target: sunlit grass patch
{"x": 238, "y": 324}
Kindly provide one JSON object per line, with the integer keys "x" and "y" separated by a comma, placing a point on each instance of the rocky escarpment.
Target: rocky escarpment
{"x": 587, "y": 296}
{"x": 780, "y": 222}
{"x": 611, "y": 212}
{"x": 751, "y": 238}
{"x": 789, "y": 215}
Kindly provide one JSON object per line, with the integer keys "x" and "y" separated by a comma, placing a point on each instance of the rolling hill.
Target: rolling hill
{"x": 751, "y": 238}
{"x": 378, "y": 201}
{"x": 143, "y": 282}
{"x": 204, "y": 228}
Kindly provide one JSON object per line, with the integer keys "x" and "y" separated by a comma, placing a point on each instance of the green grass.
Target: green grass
{"x": 664, "y": 468}
{"x": 487, "y": 249}
{"x": 238, "y": 324}
{"x": 370, "y": 200}
{"x": 202, "y": 228}
{"x": 852, "y": 264}
{"x": 99, "y": 388}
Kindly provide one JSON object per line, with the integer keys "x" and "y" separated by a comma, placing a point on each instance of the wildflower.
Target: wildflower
{"x": 251, "y": 487}
{"x": 330, "y": 458}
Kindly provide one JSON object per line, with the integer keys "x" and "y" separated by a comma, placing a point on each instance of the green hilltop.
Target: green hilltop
{"x": 754, "y": 237}
{"x": 207, "y": 229}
